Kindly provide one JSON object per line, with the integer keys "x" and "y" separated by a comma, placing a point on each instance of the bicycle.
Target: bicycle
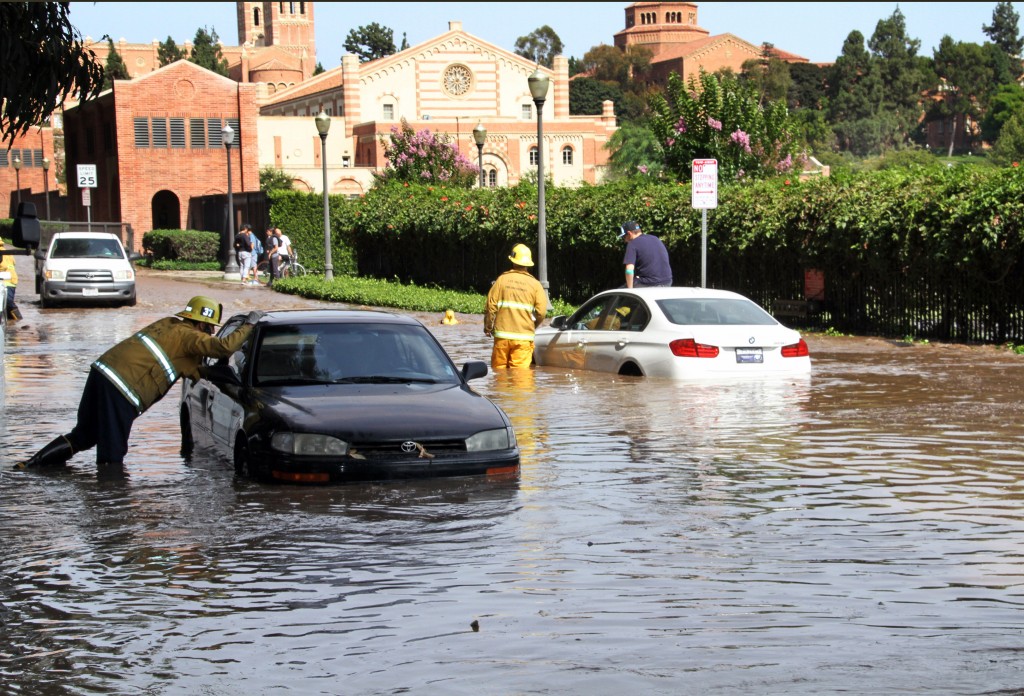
{"x": 291, "y": 268}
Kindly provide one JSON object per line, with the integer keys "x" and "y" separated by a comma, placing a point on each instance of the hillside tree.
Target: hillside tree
{"x": 206, "y": 51}
{"x": 168, "y": 52}
{"x": 540, "y": 45}
{"x": 1005, "y": 33}
{"x": 370, "y": 42}
{"x": 115, "y": 69}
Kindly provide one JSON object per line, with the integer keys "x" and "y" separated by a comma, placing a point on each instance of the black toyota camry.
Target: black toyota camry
{"x": 316, "y": 396}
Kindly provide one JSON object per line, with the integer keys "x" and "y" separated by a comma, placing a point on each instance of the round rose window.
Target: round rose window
{"x": 457, "y": 80}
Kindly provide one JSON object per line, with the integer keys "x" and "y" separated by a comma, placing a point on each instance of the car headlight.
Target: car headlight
{"x": 124, "y": 275}
{"x": 54, "y": 275}
{"x": 490, "y": 440}
{"x": 309, "y": 444}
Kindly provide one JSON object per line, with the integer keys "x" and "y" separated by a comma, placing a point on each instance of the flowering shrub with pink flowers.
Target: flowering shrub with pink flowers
{"x": 426, "y": 157}
{"x": 718, "y": 117}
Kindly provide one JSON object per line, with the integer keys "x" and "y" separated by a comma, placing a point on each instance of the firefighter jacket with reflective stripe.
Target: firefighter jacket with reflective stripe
{"x": 516, "y": 304}
{"x": 7, "y": 266}
{"x": 145, "y": 366}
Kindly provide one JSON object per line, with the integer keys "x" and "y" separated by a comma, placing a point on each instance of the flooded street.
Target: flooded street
{"x": 860, "y": 532}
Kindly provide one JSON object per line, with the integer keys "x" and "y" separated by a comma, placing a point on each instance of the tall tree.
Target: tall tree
{"x": 405, "y": 43}
{"x": 768, "y": 74}
{"x": 895, "y": 53}
{"x": 540, "y": 45}
{"x": 1005, "y": 33}
{"x": 854, "y": 95}
{"x": 115, "y": 69}
{"x": 45, "y": 61}
{"x": 319, "y": 68}
{"x": 1007, "y": 100}
{"x": 586, "y": 95}
{"x": 967, "y": 77}
{"x": 206, "y": 52}
{"x": 370, "y": 42}
{"x": 168, "y": 52}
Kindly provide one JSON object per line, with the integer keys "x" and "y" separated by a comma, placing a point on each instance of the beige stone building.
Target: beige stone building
{"x": 447, "y": 85}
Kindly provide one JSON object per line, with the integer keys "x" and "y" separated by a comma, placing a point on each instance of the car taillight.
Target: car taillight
{"x": 688, "y": 348}
{"x": 796, "y": 350}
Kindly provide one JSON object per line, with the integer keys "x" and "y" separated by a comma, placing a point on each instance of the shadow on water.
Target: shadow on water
{"x": 858, "y": 531}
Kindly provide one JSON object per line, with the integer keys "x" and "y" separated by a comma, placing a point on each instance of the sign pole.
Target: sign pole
{"x": 704, "y": 195}
{"x": 704, "y": 247}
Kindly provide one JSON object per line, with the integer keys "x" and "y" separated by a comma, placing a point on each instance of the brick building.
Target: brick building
{"x": 678, "y": 44}
{"x": 156, "y": 144}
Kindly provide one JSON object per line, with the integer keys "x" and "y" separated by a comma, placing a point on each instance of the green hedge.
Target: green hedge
{"x": 192, "y": 246}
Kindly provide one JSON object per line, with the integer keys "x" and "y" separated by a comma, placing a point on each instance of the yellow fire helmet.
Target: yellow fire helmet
{"x": 521, "y": 255}
{"x": 203, "y": 309}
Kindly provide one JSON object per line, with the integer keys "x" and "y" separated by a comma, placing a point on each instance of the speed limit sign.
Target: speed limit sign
{"x": 87, "y": 176}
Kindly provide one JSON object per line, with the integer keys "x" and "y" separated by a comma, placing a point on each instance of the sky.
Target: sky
{"x": 815, "y": 31}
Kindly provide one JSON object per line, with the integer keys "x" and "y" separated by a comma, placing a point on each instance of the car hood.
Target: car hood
{"x": 379, "y": 412}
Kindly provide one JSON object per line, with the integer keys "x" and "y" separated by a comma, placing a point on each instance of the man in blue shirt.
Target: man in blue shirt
{"x": 646, "y": 258}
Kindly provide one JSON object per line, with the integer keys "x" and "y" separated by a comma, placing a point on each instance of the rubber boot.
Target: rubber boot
{"x": 54, "y": 454}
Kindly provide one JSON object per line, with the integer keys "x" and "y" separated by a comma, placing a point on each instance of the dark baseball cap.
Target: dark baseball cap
{"x": 629, "y": 226}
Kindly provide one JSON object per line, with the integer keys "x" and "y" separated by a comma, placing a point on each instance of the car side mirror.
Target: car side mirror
{"x": 558, "y": 322}
{"x": 220, "y": 374}
{"x": 474, "y": 369}
{"x": 40, "y": 254}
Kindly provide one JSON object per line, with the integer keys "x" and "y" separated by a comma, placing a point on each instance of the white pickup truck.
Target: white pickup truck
{"x": 85, "y": 267}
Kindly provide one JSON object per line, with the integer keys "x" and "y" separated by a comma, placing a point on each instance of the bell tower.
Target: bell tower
{"x": 288, "y": 25}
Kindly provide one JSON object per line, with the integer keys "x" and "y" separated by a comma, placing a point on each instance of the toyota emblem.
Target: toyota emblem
{"x": 409, "y": 447}
{"x": 750, "y": 340}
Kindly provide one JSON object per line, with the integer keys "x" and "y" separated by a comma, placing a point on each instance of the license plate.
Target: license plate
{"x": 90, "y": 291}
{"x": 749, "y": 355}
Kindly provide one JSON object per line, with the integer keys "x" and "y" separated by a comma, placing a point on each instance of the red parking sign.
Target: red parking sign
{"x": 704, "y": 184}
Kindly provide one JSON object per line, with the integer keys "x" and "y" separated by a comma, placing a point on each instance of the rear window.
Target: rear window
{"x": 715, "y": 312}
{"x": 86, "y": 249}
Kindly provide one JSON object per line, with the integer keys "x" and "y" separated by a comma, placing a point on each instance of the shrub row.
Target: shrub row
{"x": 181, "y": 245}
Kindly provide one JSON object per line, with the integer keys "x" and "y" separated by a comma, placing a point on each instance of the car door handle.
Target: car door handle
{"x": 622, "y": 343}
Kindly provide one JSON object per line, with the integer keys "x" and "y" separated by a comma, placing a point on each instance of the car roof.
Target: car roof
{"x": 664, "y": 293}
{"x": 85, "y": 235}
{"x": 335, "y": 316}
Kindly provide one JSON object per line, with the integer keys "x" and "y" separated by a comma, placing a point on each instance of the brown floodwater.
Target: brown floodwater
{"x": 860, "y": 531}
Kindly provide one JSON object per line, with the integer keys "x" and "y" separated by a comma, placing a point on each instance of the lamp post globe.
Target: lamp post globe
{"x": 539, "y": 83}
{"x": 17, "y": 176}
{"x": 227, "y": 136}
{"x": 323, "y": 124}
{"x": 46, "y": 184}
{"x": 480, "y": 137}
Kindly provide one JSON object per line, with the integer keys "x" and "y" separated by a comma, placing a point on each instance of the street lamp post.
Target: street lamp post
{"x": 17, "y": 176}
{"x": 323, "y": 124}
{"x": 539, "y": 90}
{"x": 227, "y": 136}
{"x": 46, "y": 184}
{"x": 480, "y": 137}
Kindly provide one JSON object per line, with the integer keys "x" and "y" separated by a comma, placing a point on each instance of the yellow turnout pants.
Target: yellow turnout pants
{"x": 509, "y": 353}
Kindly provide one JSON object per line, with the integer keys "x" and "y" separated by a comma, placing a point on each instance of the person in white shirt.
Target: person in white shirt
{"x": 284, "y": 246}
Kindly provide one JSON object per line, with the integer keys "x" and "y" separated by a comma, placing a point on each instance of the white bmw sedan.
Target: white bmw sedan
{"x": 683, "y": 333}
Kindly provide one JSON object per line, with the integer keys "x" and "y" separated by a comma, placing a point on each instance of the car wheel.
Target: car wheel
{"x": 630, "y": 369}
{"x": 39, "y": 286}
{"x": 43, "y": 302}
{"x": 243, "y": 462}
{"x": 131, "y": 302}
{"x": 187, "y": 442}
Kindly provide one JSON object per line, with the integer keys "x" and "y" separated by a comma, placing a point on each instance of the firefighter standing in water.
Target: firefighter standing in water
{"x": 516, "y": 305}
{"x": 136, "y": 373}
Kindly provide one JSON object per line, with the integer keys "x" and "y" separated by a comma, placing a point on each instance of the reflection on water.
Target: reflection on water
{"x": 856, "y": 531}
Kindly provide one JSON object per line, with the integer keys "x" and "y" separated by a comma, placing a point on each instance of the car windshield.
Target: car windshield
{"x": 351, "y": 353}
{"x": 86, "y": 249}
{"x": 715, "y": 312}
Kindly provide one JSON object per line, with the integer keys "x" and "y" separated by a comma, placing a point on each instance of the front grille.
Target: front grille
{"x": 86, "y": 275}
{"x": 391, "y": 450}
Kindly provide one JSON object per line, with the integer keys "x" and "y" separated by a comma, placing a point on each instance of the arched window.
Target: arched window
{"x": 492, "y": 178}
{"x": 534, "y": 156}
{"x": 256, "y": 17}
{"x": 567, "y": 155}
